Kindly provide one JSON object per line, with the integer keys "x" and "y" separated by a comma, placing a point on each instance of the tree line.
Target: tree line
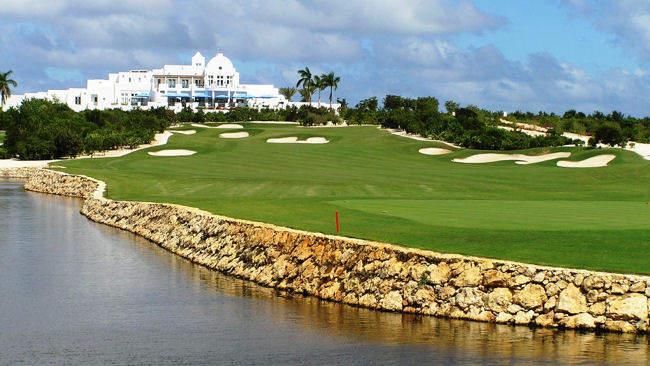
{"x": 41, "y": 129}
{"x": 614, "y": 128}
{"x": 470, "y": 127}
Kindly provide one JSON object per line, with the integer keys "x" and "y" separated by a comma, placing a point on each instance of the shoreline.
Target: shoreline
{"x": 366, "y": 273}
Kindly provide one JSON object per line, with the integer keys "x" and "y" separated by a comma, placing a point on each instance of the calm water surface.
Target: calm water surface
{"x": 76, "y": 292}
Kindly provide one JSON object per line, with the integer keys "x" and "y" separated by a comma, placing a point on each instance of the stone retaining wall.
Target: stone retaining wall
{"x": 17, "y": 173}
{"x": 374, "y": 275}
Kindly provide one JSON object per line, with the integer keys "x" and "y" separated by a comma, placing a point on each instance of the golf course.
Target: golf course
{"x": 385, "y": 190}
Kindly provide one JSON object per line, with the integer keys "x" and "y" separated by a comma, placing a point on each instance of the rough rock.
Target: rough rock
{"x": 531, "y": 297}
{"x": 503, "y": 318}
{"x": 524, "y": 317}
{"x": 582, "y": 320}
{"x": 495, "y": 278}
{"x": 571, "y": 301}
{"x": 469, "y": 296}
{"x": 545, "y": 320}
{"x": 468, "y": 278}
{"x": 628, "y": 307}
{"x": 392, "y": 301}
{"x": 499, "y": 299}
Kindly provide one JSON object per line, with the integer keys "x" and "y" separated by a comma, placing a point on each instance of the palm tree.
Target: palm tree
{"x": 319, "y": 84}
{"x": 5, "y": 86}
{"x": 288, "y": 92}
{"x": 306, "y": 82}
{"x": 331, "y": 81}
{"x": 306, "y": 93}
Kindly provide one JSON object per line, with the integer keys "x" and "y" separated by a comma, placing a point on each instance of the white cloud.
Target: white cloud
{"x": 379, "y": 47}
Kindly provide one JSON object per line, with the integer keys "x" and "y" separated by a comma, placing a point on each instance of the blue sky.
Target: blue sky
{"x": 550, "y": 55}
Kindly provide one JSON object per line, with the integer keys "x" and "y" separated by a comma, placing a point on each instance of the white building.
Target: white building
{"x": 212, "y": 86}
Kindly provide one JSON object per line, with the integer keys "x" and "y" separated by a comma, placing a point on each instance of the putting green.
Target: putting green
{"x": 595, "y": 218}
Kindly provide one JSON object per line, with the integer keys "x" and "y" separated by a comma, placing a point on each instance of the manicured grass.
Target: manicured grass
{"x": 385, "y": 190}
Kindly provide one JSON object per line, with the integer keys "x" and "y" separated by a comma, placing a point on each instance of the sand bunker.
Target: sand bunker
{"x": 230, "y": 125}
{"x": 593, "y": 162}
{"x": 433, "y": 151}
{"x": 518, "y": 158}
{"x": 185, "y": 132}
{"x": 173, "y": 152}
{"x": 294, "y": 140}
{"x": 402, "y": 133}
{"x": 234, "y": 135}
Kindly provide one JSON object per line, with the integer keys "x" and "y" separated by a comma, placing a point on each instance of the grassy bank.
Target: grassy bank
{"x": 385, "y": 190}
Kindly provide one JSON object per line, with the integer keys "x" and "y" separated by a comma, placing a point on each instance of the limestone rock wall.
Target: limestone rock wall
{"x": 375, "y": 275}
{"x": 17, "y": 173}
{"x": 62, "y": 184}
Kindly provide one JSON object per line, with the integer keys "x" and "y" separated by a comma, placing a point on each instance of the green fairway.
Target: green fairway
{"x": 385, "y": 190}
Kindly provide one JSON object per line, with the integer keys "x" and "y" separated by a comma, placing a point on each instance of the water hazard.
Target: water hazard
{"x": 76, "y": 292}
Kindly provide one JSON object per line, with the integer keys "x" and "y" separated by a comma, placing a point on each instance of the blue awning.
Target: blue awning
{"x": 142, "y": 95}
{"x": 221, "y": 96}
{"x": 268, "y": 96}
{"x": 242, "y": 96}
{"x": 176, "y": 95}
{"x": 201, "y": 96}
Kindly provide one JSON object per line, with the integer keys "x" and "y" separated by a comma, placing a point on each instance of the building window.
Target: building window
{"x": 94, "y": 98}
{"x": 185, "y": 83}
{"x": 77, "y": 100}
{"x": 198, "y": 83}
{"x": 160, "y": 81}
{"x": 171, "y": 83}
{"x": 210, "y": 80}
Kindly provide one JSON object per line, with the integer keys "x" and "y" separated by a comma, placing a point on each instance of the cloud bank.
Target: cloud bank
{"x": 378, "y": 47}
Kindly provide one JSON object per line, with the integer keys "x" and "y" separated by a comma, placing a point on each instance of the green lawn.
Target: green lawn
{"x": 385, "y": 190}
{"x": 2, "y": 137}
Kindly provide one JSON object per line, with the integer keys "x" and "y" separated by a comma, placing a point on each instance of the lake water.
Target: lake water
{"x": 76, "y": 292}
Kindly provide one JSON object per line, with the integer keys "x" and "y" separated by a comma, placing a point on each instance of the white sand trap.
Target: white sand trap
{"x": 200, "y": 125}
{"x": 172, "y": 152}
{"x": 433, "y": 151}
{"x": 234, "y": 135}
{"x": 185, "y": 132}
{"x": 532, "y": 133}
{"x": 518, "y": 158}
{"x": 593, "y": 162}
{"x": 230, "y": 125}
{"x": 402, "y": 133}
{"x": 294, "y": 140}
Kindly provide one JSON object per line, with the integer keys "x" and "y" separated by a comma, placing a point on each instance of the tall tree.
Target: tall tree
{"x": 331, "y": 81}
{"x": 5, "y": 86}
{"x": 306, "y": 93}
{"x": 451, "y": 106}
{"x": 288, "y": 92}
{"x": 319, "y": 84}
{"x": 306, "y": 81}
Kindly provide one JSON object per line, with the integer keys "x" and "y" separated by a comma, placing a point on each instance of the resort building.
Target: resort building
{"x": 212, "y": 86}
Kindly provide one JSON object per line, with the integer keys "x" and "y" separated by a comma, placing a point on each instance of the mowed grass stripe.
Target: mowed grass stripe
{"x": 540, "y": 213}
{"x": 513, "y": 215}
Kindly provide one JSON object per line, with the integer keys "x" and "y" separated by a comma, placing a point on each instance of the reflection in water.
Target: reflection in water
{"x": 76, "y": 292}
